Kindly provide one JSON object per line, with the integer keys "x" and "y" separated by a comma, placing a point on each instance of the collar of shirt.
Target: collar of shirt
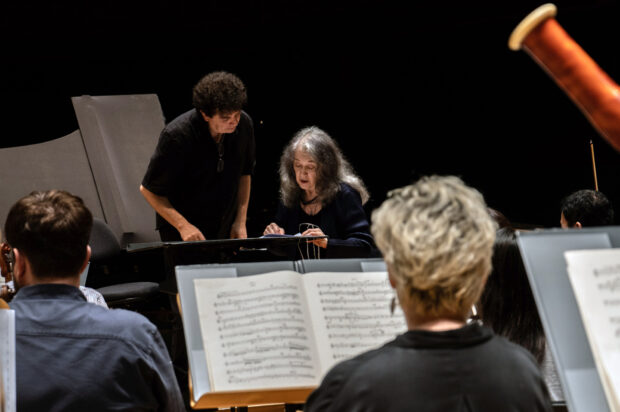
{"x": 49, "y": 291}
{"x": 469, "y": 335}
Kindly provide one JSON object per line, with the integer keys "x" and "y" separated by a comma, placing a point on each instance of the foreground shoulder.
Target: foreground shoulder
{"x": 127, "y": 325}
{"x": 331, "y": 389}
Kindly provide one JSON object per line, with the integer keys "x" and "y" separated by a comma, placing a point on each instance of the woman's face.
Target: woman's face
{"x": 305, "y": 171}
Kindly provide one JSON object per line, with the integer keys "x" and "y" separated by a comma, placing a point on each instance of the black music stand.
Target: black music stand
{"x": 175, "y": 253}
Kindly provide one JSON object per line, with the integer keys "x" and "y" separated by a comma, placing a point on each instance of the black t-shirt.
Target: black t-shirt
{"x": 184, "y": 170}
{"x": 466, "y": 369}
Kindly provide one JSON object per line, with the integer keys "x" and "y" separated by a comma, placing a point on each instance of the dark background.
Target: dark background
{"x": 407, "y": 88}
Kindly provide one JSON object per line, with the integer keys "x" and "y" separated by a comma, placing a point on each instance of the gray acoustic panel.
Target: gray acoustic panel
{"x": 543, "y": 256}
{"x": 120, "y": 134}
{"x": 56, "y": 164}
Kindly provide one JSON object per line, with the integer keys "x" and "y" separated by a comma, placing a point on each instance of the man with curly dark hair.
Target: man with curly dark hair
{"x": 198, "y": 180}
{"x": 586, "y": 208}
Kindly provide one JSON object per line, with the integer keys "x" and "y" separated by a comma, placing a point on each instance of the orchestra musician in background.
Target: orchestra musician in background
{"x": 320, "y": 195}
{"x": 508, "y": 307}
{"x": 436, "y": 237}
{"x": 586, "y": 208}
{"x": 199, "y": 178}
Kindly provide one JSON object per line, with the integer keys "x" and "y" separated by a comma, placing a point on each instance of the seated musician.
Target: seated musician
{"x": 436, "y": 237}
{"x": 71, "y": 355}
{"x": 507, "y": 306}
{"x": 586, "y": 208}
{"x": 321, "y": 195}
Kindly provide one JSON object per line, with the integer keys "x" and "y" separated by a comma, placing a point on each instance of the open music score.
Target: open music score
{"x": 595, "y": 278}
{"x": 283, "y": 330}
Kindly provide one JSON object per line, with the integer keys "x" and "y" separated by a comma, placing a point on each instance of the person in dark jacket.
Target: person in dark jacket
{"x": 320, "y": 195}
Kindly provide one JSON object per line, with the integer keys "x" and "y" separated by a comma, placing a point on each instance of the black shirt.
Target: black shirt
{"x": 467, "y": 369}
{"x": 184, "y": 170}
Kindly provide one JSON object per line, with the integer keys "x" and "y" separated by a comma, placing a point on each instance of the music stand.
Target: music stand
{"x": 209, "y": 251}
{"x": 543, "y": 257}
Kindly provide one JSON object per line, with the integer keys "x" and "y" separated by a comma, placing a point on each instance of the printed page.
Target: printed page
{"x": 256, "y": 332}
{"x": 351, "y": 313}
{"x": 7, "y": 359}
{"x": 595, "y": 278}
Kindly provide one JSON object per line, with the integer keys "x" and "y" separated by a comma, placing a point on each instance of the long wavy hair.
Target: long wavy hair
{"x": 332, "y": 168}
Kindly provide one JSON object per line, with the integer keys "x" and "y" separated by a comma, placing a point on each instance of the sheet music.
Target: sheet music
{"x": 595, "y": 278}
{"x": 256, "y": 332}
{"x": 352, "y": 313}
{"x": 7, "y": 358}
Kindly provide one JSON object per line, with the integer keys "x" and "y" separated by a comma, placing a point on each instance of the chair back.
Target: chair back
{"x": 103, "y": 242}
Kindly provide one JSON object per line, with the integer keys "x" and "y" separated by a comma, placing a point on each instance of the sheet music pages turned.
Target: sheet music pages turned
{"x": 351, "y": 313}
{"x": 595, "y": 279}
{"x": 256, "y": 332}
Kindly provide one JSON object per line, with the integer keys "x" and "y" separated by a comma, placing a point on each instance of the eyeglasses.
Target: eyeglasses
{"x": 220, "y": 152}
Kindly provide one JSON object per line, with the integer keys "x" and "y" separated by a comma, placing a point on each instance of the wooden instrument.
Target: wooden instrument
{"x": 589, "y": 87}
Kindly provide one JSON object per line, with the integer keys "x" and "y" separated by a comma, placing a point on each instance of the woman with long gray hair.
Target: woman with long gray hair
{"x": 320, "y": 195}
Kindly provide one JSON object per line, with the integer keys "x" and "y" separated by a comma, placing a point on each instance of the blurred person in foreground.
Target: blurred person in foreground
{"x": 71, "y": 355}
{"x": 436, "y": 237}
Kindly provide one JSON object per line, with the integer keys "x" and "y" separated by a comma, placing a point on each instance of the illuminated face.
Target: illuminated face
{"x": 305, "y": 171}
{"x": 221, "y": 123}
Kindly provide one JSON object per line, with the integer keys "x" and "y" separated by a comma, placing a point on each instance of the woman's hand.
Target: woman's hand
{"x": 316, "y": 232}
{"x": 272, "y": 228}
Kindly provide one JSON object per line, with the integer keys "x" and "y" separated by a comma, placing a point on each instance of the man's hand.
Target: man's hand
{"x": 190, "y": 232}
{"x": 272, "y": 228}
{"x": 238, "y": 231}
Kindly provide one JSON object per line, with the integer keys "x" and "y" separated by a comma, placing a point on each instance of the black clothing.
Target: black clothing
{"x": 343, "y": 220}
{"x": 184, "y": 170}
{"x": 468, "y": 369}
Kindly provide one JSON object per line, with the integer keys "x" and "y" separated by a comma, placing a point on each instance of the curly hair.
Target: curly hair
{"x": 52, "y": 229}
{"x": 436, "y": 237}
{"x": 588, "y": 207}
{"x": 219, "y": 92}
{"x": 332, "y": 167}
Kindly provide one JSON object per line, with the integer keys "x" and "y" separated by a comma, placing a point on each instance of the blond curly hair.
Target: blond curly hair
{"x": 436, "y": 237}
